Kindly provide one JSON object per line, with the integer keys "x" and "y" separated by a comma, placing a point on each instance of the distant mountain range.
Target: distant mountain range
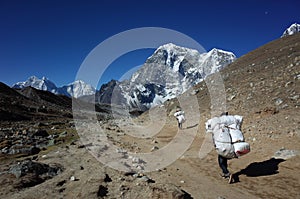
{"x": 169, "y": 72}
{"x": 75, "y": 89}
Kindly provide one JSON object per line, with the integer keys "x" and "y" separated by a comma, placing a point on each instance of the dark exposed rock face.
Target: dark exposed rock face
{"x": 105, "y": 93}
{"x": 30, "y": 103}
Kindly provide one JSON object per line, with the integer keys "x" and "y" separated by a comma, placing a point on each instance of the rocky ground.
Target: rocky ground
{"x": 69, "y": 170}
{"x": 50, "y": 158}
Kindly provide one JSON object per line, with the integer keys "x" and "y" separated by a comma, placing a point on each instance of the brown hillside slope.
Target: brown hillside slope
{"x": 263, "y": 86}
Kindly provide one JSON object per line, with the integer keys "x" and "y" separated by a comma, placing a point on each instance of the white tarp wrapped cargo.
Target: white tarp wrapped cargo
{"x": 227, "y": 136}
{"x": 180, "y": 116}
{"x": 236, "y": 135}
{"x": 241, "y": 148}
{"x": 221, "y": 135}
{"x": 225, "y": 149}
{"x": 211, "y": 124}
{"x": 232, "y": 121}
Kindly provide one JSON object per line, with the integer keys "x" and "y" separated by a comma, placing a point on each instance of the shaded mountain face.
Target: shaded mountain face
{"x": 11, "y": 108}
{"x": 29, "y": 103}
{"x": 169, "y": 72}
{"x": 46, "y": 98}
{"x": 6, "y": 91}
{"x": 75, "y": 89}
{"x": 105, "y": 93}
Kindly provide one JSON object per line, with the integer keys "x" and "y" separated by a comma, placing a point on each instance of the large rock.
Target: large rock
{"x": 31, "y": 167}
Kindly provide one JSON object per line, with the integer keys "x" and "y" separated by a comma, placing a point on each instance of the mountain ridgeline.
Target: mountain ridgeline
{"x": 75, "y": 89}
{"x": 169, "y": 72}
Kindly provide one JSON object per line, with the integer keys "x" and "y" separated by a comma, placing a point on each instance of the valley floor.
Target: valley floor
{"x": 195, "y": 174}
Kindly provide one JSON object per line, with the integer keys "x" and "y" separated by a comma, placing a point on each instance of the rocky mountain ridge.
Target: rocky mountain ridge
{"x": 169, "y": 72}
{"x": 155, "y": 89}
{"x": 30, "y": 103}
{"x": 76, "y": 89}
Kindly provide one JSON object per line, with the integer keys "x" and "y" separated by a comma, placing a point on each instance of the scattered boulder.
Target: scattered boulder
{"x": 40, "y": 133}
{"x": 30, "y": 173}
{"x": 154, "y": 148}
{"x": 102, "y": 191}
{"x": 72, "y": 178}
{"x": 29, "y": 180}
{"x": 285, "y": 154}
{"x": 107, "y": 178}
{"x": 23, "y": 149}
{"x": 27, "y": 166}
{"x": 61, "y": 183}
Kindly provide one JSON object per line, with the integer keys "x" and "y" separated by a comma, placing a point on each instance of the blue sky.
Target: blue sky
{"x": 53, "y": 38}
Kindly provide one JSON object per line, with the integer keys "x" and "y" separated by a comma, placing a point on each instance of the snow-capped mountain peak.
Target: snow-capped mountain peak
{"x": 75, "y": 89}
{"x": 170, "y": 55}
{"x": 167, "y": 73}
{"x": 293, "y": 29}
{"x": 216, "y": 59}
{"x": 170, "y": 47}
{"x": 40, "y": 84}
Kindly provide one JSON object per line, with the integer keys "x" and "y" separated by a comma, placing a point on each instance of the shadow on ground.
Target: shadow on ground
{"x": 193, "y": 126}
{"x": 256, "y": 169}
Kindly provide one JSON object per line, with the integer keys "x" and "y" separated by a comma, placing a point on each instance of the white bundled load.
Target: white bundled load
{"x": 223, "y": 144}
{"x": 227, "y": 136}
{"x": 222, "y": 135}
{"x": 236, "y": 135}
{"x": 180, "y": 116}
{"x": 241, "y": 148}
{"x": 230, "y": 121}
{"x": 239, "y": 121}
{"x": 225, "y": 149}
{"x": 212, "y": 123}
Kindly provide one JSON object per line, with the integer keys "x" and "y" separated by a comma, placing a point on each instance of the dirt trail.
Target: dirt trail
{"x": 257, "y": 174}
